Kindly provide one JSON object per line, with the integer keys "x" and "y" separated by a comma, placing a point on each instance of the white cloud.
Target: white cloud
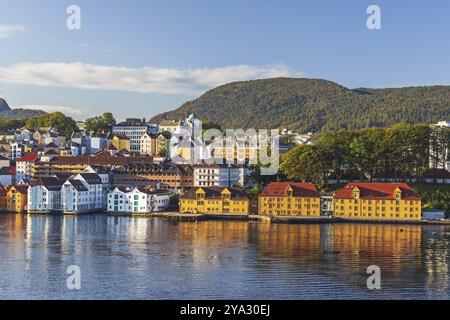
{"x": 143, "y": 80}
{"x": 6, "y": 30}
{"x": 68, "y": 111}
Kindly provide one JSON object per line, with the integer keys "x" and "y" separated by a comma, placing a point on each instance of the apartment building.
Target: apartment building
{"x": 134, "y": 129}
{"x": 219, "y": 175}
{"x": 83, "y": 193}
{"x": 44, "y": 195}
{"x": 16, "y": 198}
{"x": 166, "y": 175}
{"x": 24, "y": 165}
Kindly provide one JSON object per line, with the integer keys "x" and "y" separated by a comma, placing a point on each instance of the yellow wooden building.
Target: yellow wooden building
{"x": 215, "y": 200}
{"x": 16, "y": 198}
{"x": 377, "y": 201}
{"x": 289, "y": 199}
{"x": 121, "y": 142}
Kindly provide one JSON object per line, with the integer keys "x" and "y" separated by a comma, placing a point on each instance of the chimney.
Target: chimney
{"x": 143, "y": 120}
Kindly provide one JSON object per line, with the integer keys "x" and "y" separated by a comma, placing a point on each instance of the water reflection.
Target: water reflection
{"x": 141, "y": 258}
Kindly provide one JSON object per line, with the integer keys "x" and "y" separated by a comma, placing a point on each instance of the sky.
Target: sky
{"x": 139, "y": 58}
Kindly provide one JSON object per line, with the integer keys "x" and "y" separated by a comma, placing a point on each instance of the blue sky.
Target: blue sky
{"x": 138, "y": 58}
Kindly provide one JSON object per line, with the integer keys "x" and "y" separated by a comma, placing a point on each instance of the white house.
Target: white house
{"x": 44, "y": 195}
{"x": 83, "y": 193}
{"x": 137, "y": 200}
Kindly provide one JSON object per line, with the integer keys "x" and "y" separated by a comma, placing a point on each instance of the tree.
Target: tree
{"x": 105, "y": 122}
{"x": 57, "y": 120}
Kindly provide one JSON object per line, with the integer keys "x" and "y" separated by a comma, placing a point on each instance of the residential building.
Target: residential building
{"x": 16, "y": 151}
{"x": 377, "y": 201}
{"x": 83, "y": 193}
{"x": 290, "y": 199}
{"x": 137, "y": 200}
{"x": 98, "y": 141}
{"x": 44, "y": 195}
{"x": 16, "y": 198}
{"x": 75, "y": 165}
{"x": 134, "y": 129}
{"x": 218, "y": 175}
{"x": 155, "y": 145}
{"x": 120, "y": 142}
{"x": 215, "y": 200}
{"x": 24, "y": 165}
{"x": 166, "y": 175}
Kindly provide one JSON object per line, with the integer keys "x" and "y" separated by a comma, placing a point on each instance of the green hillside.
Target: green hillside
{"x": 311, "y": 104}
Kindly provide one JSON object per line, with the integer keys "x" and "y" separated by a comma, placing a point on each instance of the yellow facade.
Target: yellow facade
{"x": 16, "y": 199}
{"x": 289, "y": 199}
{"x": 372, "y": 208}
{"x": 121, "y": 143}
{"x": 223, "y": 202}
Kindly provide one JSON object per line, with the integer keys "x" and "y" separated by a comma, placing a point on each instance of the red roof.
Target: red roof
{"x": 30, "y": 157}
{"x": 377, "y": 191}
{"x": 300, "y": 189}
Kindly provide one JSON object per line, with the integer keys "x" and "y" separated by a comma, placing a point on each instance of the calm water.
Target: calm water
{"x": 141, "y": 258}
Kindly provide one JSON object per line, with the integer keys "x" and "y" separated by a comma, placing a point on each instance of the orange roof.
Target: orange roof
{"x": 33, "y": 156}
{"x": 377, "y": 191}
{"x": 300, "y": 189}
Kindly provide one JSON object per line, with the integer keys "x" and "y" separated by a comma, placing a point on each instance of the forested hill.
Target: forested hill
{"x": 16, "y": 114}
{"x": 311, "y": 104}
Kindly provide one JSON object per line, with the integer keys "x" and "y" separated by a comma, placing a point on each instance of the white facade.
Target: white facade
{"x": 83, "y": 193}
{"x": 134, "y": 200}
{"x": 16, "y": 151}
{"x": 219, "y": 176}
{"x": 44, "y": 196}
{"x": 134, "y": 129}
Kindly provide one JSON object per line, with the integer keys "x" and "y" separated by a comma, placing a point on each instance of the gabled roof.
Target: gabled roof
{"x": 30, "y": 157}
{"x": 91, "y": 178}
{"x": 78, "y": 185}
{"x": 215, "y": 193}
{"x": 299, "y": 189}
{"x": 51, "y": 152}
{"x": 50, "y": 183}
{"x": 23, "y": 189}
{"x": 377, "y": 191}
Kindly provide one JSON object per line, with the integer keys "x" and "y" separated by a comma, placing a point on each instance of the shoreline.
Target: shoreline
{"x": 188, "y": 217}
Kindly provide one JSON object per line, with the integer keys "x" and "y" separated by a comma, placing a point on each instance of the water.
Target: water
{"x": 144, "y": 258}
